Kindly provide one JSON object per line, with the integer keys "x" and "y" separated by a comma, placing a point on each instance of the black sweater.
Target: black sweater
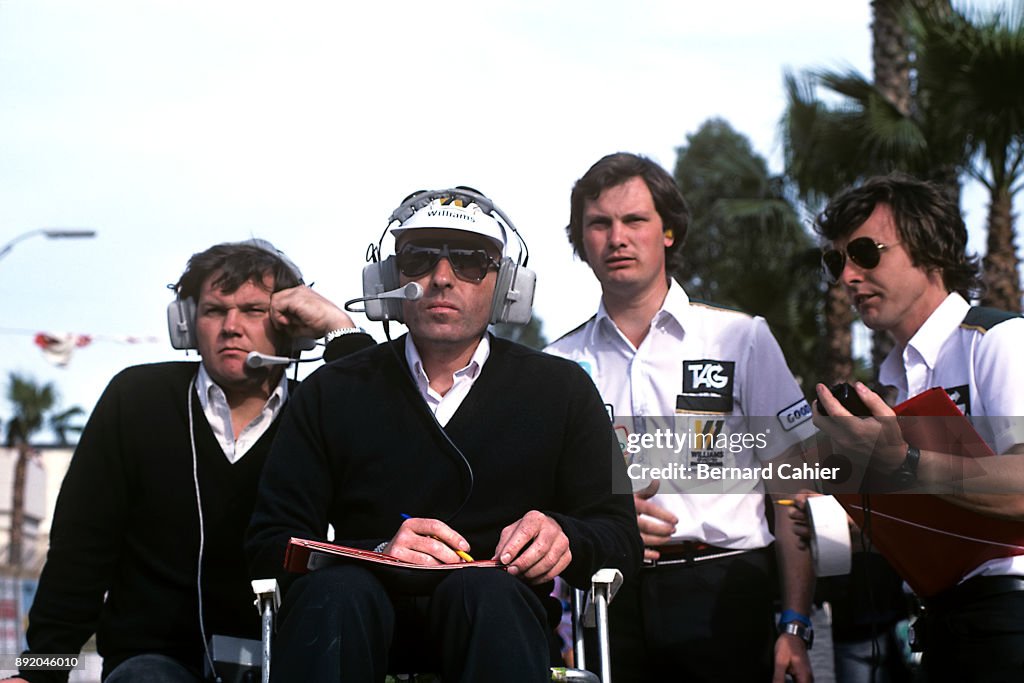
{"x": 126, "y": 524}
{"x": 358, "y": 448}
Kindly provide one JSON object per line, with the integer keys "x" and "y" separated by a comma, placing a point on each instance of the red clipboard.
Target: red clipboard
{"x": 303, "y": 555}
{"x": 931, "y": 543}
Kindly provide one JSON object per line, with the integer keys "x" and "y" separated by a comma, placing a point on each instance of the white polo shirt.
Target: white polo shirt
{"x": 699, "y": 370}
{"x": 982, "y": 371}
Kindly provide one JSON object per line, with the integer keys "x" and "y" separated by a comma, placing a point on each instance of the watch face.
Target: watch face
{"x": 797, "y": 629}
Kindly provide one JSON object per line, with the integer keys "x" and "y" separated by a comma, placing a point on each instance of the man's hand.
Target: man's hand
{"x": 301, "y": 312}
{"x": 791, "y": 657}
{"x": 798, "y": 515}
{"x": 534, "y": 548}
{"x": 426, "y": 541}
{"x": 877, "y": 439}
{"x": 655, "y": 522}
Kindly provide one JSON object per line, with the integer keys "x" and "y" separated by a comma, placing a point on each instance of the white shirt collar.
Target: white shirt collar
{"x": 214, "y": 403}
{"x": 445, "y": 406}
{"x": 674, "y": 309}
{"x": 927, "y": 341}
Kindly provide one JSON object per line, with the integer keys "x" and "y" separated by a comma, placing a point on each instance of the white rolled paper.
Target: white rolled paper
{"x": 830, "y": 536}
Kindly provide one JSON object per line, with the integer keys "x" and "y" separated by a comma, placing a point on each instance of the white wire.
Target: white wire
{"x": 202, "y": 534}
{"x": 941, "y": 531}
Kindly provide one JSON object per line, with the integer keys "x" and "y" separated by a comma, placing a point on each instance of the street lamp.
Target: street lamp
{"x": 49, "y": 233}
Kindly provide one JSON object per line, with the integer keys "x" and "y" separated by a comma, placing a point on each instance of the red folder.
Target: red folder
{"x": 303, "y": 555}
{"x": 931, "y": 543}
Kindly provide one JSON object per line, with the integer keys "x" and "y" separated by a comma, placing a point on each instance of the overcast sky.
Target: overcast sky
{"x": 169, "y": 126}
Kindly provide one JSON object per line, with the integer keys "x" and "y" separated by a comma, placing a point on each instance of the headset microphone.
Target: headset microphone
{"x": 255, "y": 359}
{"x": 410, "y": 292}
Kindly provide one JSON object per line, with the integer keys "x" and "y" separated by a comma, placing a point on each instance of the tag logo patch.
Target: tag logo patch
{"x": 707, "y": 386}
{"x": 707, "y": 376}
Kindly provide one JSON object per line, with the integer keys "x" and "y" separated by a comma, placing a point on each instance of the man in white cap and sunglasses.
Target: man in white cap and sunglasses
{"x": 445, "y": 444}
{"x": 897, "y": 245}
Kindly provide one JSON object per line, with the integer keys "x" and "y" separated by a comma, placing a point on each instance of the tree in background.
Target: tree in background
{"x": 32, "y": 404}
{"x": 531, "y": 334}
{"x": 971, "y": 73}
{"x": 876, "y": 127}
{"x": 965, "y": 114}
{"x": 746, "y": 248}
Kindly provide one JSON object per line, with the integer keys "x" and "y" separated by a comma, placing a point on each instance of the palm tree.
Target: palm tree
{"x": 60, "y": 424}
{"x": 878, "y": 127}
{"x": 32, "y": 402}
{"x": 890, "y": 58}
{"x": 972, "y": 70}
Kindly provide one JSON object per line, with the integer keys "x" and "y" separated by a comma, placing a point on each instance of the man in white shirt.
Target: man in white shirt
{"x": 702, "y": 608}
{"x": 898, "y": 248}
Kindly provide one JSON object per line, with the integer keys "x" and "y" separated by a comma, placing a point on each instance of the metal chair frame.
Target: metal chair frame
{"x": 590, "y": 610}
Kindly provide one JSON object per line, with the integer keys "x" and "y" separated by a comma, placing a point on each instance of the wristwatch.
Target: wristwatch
{"x": 906, "y": 473}
{"x": 796, "y": 624}
{"x": 341, "y": 332}
{"x": 795, "y": 628}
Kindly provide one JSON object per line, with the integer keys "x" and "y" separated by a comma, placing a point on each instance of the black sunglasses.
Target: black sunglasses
{"x": 469, "y": 264}
{"x": 863, "y": 251}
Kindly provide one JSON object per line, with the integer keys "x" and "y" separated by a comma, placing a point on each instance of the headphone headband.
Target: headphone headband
{"x": 513, "y": 293}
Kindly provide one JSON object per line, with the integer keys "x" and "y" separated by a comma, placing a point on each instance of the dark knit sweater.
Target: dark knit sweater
{"x": 126, "y": 525}
{"x": 357, "y": 448}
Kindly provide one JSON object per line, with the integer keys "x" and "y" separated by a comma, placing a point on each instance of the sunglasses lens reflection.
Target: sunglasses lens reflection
{"x": 468, "y": 264}
{"x": 863, "y": 251}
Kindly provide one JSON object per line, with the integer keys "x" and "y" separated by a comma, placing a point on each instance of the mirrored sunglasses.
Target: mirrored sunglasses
{"x": 863, "y": 251}
{"x": 468, "y": 264}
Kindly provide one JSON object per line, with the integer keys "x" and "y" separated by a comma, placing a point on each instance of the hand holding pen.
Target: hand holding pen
{"x": 428, "y": 542}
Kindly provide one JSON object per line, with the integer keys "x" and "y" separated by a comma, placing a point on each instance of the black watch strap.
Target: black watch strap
{"x": 906, "y": 473}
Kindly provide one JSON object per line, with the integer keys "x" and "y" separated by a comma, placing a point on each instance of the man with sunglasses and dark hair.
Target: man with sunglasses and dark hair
{"x": 898, "y": 248}
{"x": 445, "y": 442}
{"x": 703, "y": 607}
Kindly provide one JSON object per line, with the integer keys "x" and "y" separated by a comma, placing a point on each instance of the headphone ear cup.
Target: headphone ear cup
{"x": 378, "y": 278}
{"x": 181, "y": 323}
{"x": 513, "y": 294}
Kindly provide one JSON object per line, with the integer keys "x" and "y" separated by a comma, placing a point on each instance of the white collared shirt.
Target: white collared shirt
{"x": 444, "y": 407}
{"x": 698, "y": 367}
{"x": 218, "y": 413}
{"x": 981, "y": 370}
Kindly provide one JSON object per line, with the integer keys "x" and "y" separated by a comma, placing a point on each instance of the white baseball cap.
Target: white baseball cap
{"x": 451, "y": 215}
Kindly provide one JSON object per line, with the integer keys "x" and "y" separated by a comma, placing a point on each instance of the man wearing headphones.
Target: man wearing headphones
{"x": 702, "y": 607}
{"x": 146, "y": 544}
{"x": 445, "y": 441}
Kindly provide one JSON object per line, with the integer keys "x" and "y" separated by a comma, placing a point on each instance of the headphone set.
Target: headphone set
{"x": 181, "y": 326}
{"x": 181, "y": 313}
{"x": 513, "y": 291}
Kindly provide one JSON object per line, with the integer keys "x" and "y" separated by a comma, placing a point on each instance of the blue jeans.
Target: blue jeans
{"x": 151, "y": 668}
